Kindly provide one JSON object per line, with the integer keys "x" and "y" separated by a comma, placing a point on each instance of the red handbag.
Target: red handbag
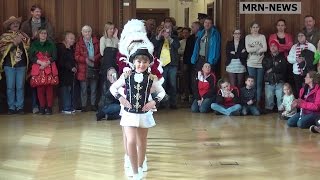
{"x": 46, "y": 76}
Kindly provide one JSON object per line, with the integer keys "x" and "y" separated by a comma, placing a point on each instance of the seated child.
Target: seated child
{"x": 248, "y": 98}
{"x": 288, "y": 98}
{"x": 227, "y": 101}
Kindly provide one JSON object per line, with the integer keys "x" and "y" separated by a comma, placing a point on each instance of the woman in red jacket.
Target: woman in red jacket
{"x": 308, "y": 102}
{"x": 87, "y": 55}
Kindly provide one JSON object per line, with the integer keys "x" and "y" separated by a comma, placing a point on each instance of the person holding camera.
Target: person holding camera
{"x": 166, "y": 48}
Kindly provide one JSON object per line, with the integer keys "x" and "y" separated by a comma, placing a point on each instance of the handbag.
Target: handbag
{"x": 44, "y": 77}
{"x": 92, "y": 73}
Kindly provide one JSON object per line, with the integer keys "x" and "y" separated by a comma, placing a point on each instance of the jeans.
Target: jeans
{"x": 252, "y": 109}
{"x": 66, "y": 97}
{"x": 112, "y": 110}
{"x": 257, "y": 73}
{"x": 270, "y": 91}
{"x": 84, "y": 94}
{"x": 204, "y": 107}
{"x": 225, "y": 110}
{"x": 304, "y": 122}
{"x": 170, "y": 83}
{"x": 15, "y": 79}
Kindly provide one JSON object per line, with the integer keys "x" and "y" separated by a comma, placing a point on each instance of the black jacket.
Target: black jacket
{"x": 189, "y": 49}
{"x": 108, "y": 60}
{"x": 278, "y": 65}
{"x": 65, "y": 63}
{"x": 239, "y": 54}
{"x": 174, "y": 46}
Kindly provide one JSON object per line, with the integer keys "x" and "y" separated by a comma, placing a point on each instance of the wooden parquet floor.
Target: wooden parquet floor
{"x": 183, "y": 146}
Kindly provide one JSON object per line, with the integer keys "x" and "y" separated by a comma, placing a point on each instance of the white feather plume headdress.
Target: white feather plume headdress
{"x": 134, "y": 41}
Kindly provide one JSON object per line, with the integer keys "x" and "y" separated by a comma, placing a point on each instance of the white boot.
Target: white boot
{"x": 126, "y": 161}
{"x": 144, "y": 165}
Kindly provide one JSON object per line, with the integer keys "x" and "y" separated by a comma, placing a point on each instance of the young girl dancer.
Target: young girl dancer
{"x": 139, "y": 83}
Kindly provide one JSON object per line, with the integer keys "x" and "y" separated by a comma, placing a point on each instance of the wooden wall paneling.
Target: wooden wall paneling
{"x": 117, "y": 11}
{"x": 72, "y": 14}
{"x": 226, "y": 23}
{"x": 129, "y": 12}
{"x": 105, "y": 13}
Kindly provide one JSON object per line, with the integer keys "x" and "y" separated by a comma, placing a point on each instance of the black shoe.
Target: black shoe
{"x": 235, "y": 113}
{"x": 100, "y": 116}
{"x": 42, "y": 111}
{"x": 312, "y": 129}
{"x": 20, "y": 111}
{"x": 93, "y": 108}
{"x": 49, "y": 111}
{"x": 84, "y": 109}
{"x": 173, "y": 107}
{"x": 219, "y": 113}
{"x": 11, "y": 111}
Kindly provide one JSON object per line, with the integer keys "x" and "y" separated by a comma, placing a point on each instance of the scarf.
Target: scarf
{"x": 90, "y": 48}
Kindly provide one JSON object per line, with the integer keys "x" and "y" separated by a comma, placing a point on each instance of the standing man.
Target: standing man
{"x": 31, "y": 26}
{"x": 166, "y": 48}
{"x": 14, "y": 46}
{"x": 207, "y": 46}
{"x": 312, "y": 33}
{"x": 201, "y": 18}
{"x": 188, "y": 71}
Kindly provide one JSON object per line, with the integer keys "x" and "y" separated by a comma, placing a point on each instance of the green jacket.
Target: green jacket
{"x": 47, "y": 46}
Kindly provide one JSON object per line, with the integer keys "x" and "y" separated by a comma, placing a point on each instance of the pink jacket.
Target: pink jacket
{"x": 311, "y": 103}
{"x": 285, "y": 48}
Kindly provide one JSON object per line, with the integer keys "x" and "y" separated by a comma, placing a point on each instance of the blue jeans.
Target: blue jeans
{"x": 84, "y": 93}
{"x": 204, "y": 107}
{"x": 250, "y": 109}
{"x": 257, "y": 73}
{"x": 66, "y": 96}
{"x": 15, "y": 79}
{"x": 270, "y": 91}
{"x": 170, "y": 83}
{"x": 112, "y": 110}
{"x": 224, "y": 110}
{"x": 304, "y": 122}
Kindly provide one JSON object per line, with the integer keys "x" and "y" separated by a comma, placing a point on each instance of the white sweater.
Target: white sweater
{"x": 255, "y": 46}
{"x": 108, "y": 42}
{"x": 292, "y": 56}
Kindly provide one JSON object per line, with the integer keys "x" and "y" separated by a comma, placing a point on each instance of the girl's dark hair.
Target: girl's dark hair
{"x": 253, "y": 23}
{"x": 279, "y": 20}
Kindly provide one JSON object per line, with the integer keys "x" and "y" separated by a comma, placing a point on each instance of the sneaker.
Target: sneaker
{"x": 314, "y": 129}
{"x": 144, "y": 165}
{"x": 67, "y": 111}
{"x": 35, "y": 110}
{"x": 49, "y": 111}
{"x": 140, "y": 172}
{"x": 11, "y": 111}
{"x": 20, "y": 111}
